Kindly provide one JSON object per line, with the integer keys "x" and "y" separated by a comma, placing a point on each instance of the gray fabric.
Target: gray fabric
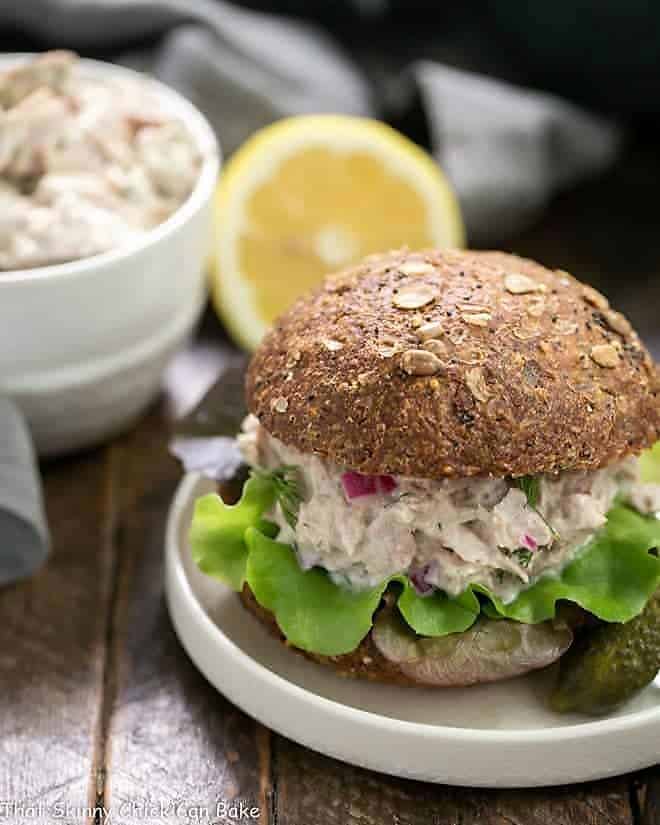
{"x": 506, "y": 150}
{"x": 23, "y": 532}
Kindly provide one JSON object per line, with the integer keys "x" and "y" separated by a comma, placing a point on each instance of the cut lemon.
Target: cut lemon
{"x": 310, "y": 195}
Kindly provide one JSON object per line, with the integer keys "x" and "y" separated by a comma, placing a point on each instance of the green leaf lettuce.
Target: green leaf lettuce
{"x": 217, "y": 534}
{"x": 649, "y": 464}
{"x": 313, "y": 613}
{"x": 612, "y": 576}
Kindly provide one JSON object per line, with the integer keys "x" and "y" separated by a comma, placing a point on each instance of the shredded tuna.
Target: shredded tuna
{"x": 444, "y": 533}
{"x": 86, "y": 163}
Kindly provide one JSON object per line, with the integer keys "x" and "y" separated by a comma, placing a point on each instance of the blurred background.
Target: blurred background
{"x": 599, "y": 221}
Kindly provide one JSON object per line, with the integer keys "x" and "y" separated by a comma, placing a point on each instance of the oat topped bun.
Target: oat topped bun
{"x": 456, "y": 363}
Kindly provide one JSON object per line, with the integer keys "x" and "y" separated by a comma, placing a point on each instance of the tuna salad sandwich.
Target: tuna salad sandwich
{"x": 452, "y": 475}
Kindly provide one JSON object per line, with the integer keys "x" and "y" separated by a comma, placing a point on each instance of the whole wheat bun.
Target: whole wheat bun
{"x": 456, "y": 363}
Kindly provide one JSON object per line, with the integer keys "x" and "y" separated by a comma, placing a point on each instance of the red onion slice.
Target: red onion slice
{"x": 357, "y": 485}
{"x": 418, "y": 577}
{"x": 386, "y": 484}
{"x": 529, "y": 542}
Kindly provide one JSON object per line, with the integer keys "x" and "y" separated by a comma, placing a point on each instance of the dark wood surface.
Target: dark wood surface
{"x": 99, "y": 705}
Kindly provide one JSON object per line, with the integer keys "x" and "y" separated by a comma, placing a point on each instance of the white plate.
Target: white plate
{"x": 488, "y": 736}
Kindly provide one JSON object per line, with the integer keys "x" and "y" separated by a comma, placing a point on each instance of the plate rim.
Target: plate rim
{"x": 606, "y": 726}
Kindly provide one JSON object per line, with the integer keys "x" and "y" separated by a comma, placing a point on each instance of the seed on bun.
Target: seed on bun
{"x": 449, "y": 363}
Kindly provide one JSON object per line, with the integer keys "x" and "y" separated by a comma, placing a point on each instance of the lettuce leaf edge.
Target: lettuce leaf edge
{"x": 612, "y": 576}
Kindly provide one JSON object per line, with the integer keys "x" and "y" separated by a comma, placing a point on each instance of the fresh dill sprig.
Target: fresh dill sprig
{"x": 523, "y": 557}
{"x": 287, "y": 489}
{"x": 531, "y": 487}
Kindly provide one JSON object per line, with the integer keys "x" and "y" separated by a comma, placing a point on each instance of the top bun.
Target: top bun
{"x": 456, "y": 363}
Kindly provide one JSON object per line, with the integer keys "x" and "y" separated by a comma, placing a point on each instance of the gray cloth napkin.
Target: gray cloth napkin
{"x": 23, "y": 531}
{"x": 506, "y": 150}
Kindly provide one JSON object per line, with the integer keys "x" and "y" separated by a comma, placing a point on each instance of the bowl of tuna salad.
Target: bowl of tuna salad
{"x": 454, "y": 479}
{"x": 106, "y": 185}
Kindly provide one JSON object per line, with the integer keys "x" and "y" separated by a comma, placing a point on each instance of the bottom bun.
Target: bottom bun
{"x": 489, "y": 651}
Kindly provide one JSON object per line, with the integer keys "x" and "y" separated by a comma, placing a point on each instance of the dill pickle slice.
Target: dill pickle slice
{"x": 489, "y": 651}
{"x": 608, "y": 665}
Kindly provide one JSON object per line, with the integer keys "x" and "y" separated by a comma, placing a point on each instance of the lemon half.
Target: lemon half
{"x": 310, "y": 195}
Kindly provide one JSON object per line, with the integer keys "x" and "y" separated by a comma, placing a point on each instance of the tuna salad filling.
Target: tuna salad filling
{"x": 87, "y": 162}
{"x": 443, "y": 534}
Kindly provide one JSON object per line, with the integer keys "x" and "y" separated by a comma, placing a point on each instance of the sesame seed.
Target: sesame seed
{"x": 518, "y": 284}
{"x": 420, "y": 362}
{"x": 414, "y": 297}
{"x": 605, "y": 355}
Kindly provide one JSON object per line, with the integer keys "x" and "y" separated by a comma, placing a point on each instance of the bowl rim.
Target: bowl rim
{"x": 205, "y": 141}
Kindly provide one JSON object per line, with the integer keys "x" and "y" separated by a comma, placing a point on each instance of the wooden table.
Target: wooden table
{"x": 100, "y": 706}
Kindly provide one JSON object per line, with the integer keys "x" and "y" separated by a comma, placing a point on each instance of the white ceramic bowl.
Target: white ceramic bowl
{"x": 83, "y": 344}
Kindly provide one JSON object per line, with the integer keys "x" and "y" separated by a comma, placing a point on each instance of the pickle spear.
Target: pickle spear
{"x": 609, "y": 664}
